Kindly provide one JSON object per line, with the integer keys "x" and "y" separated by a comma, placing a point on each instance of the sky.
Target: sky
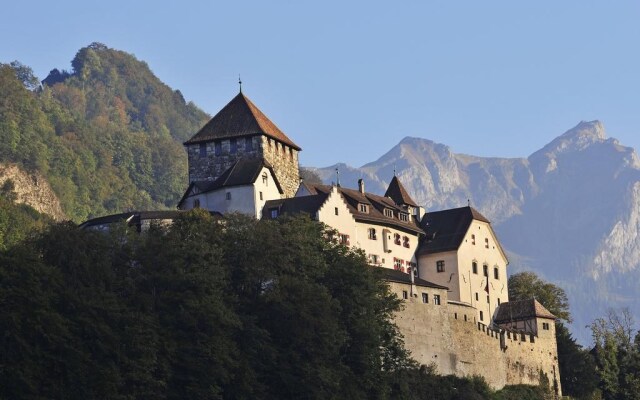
{"x": 347, "y": 81}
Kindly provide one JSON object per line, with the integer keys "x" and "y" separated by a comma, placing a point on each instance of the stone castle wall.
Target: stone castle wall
{"x": 284, "y": 160}
{"x": 450, "y": 337}
{"x": 210, "y": 166}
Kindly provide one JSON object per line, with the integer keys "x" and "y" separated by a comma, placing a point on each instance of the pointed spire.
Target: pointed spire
{"x": 337, "y": 177}
{"x": 240, "y": 83}
{"x": 398, "y": 193}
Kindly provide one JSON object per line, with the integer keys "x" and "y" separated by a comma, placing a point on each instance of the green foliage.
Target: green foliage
{"x": 108, "y": 136}
{"x": 522, "y": 392}
{"x": 527, "y": 285}
{"x": 577, "y": 366}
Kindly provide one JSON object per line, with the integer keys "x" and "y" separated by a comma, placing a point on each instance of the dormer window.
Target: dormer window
{"x": 363, "y": 208}
{"x": 388, "y": 212}
{"x": 404, "y": 217}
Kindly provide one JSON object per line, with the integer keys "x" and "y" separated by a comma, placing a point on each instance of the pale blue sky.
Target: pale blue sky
{"x": 348, "y": 80}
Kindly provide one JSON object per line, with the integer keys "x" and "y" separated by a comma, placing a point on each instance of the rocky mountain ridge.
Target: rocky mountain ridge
{"x": 31, "y": 189}
{"x": 570, "y": 211}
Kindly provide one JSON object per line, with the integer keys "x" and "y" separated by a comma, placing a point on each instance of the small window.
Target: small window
{"x": 261, "y": 197}
{"x": 404, "y": 217}
{"x": 228, "y": 195}
{"x": 440, "y": 266}
{"x": 436, "y": 299}
{"x": 465, "y": 317}
{"x": 474, "y": 267}
{"x": 532, "y": 339}
{"x": 374, "y": 259}
{"x": 487, "y": 299}
{"x": 388, "y": 212}
{"x": 335, "y": 210}
{"x": 363, "y": 208}
{"x": 218, "y": 148}
{"x": 248, "y": 144}
{"x": 405, "y": 295}
{"x": 405, "y": 241}
{"x": 196, "y": 203}
{"x": 495, "y": 273}
{"x": 545, "y": 326}
{"x": 486, "y": 243}
{"x": 455, "y": 315}
{"x": 274, "y": 212}
{"x": 498, "y": 300}
{"x": 396, "y": 238}
{"x": 203, "y": 149}
{"x": 481, "y": 316}
{"x": 485, "y": 270}
{"x": 425, "y": 298}
{"x": 372, "y": 234}
{"x": 233, "y": 144}
{"x": 473, "y": 240}
{"x": 477, "y": 296}
{"x": 344, "y": 239}
{"x": 265, "y": 179}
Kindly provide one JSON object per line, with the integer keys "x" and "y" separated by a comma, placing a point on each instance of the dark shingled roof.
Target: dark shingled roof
{"x": 398, "y": 193}
{"x": 521, "y": 310}
{"x": 446, "y": 229}
{"x": 392, "y": 275}
{"x": 239, "y": 118}
{"x": 295, "y": 205}
{"x": 376, "y": 204}
{"x": 244, "y": 171}
{"x": 132, "y": 217}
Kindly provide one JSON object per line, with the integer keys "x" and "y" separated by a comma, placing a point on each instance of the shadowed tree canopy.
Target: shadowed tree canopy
{"x": 527, "y": 285}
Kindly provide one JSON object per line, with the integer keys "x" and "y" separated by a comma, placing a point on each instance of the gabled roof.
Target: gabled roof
{"x": 392, "y": 275}
{"x": 239, "y": 118}
{"x": 295, "y": 205}
{"x": 244, "y": 171}
{"x": 446, "y": 229}
{"x": 376, "y": 204}
{"x": 132, "y": 217}
{"x": 398, "y": 193}
{"x": 521, "y": 310}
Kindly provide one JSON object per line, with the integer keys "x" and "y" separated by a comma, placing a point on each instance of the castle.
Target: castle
{"x": 448, "y": 266}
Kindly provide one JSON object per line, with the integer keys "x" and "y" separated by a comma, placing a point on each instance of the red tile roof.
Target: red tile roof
{"x": 240, "y": 118}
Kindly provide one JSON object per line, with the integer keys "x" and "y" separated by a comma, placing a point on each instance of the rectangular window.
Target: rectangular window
{"x": 404, "y": 217}
{"x": 372, "y": 234}
{"x": 473, "y": 240}
{"x": 228, "y": 195}
{"x": 388, "y": 212}
{"x": 233, "y": 145}
{"x": 545, "y": 326}
{"x": 486, "y": 243}
{"x": 496, "y": 275}
{"x": 196, "y": 203}
{"x": 405, "y": 295}
{"x": 218, "y": 148}
{"x": 476, "y": 296}
{"x": 481, "y": 316}
{"x": 274, "y": 212}
{"x": 405, "y": 241}
{"x": 440, "y": 266}
{"x": 248, "y": 144}
{"x": 344, "y": 239}
{"x": 474, "y": 267}
{"x": 396, "y": 238}
{"x": 203, "y": 149}
{"x": 374, "y": 259}
{"x": 485, "y": 270}
{"x": 436, "y": 299}
{"x": 498, "y": 300}
{"x": 335, "y": 210}
{"x": 425, "y": 298}
{"x": 261, "y": 196}
{"x": 363, "y": 208}
{"x": 487, "y": 299}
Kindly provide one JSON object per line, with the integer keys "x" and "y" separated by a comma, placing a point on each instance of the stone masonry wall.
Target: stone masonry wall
{"x": 442, "y": 336}
{"x": 284, "y": 160}
{"x": 211, "y": 166}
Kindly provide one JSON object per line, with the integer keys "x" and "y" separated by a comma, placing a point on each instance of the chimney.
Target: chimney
{"x": 361, "y": 185}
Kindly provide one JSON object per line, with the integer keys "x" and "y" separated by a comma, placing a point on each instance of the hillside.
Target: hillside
{"x": 570, "y": 211}
{"x": 107, "y": 136}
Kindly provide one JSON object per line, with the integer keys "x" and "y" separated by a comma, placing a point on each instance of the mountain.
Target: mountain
{"x": 570, "y": 211}
{"x": 107, "y": 136}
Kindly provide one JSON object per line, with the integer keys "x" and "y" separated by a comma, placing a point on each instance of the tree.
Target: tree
{"x": 310, "y": 176}
{"x": 527, "y": 285}
{"x": 25, "y": 75}
{"x": 577, "y": 366}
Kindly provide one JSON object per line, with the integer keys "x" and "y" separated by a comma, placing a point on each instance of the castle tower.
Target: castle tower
{"x": 240, "y": 131}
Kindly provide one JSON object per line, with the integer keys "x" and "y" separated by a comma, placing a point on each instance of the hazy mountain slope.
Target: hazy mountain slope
{"x": 570, "y": 211}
